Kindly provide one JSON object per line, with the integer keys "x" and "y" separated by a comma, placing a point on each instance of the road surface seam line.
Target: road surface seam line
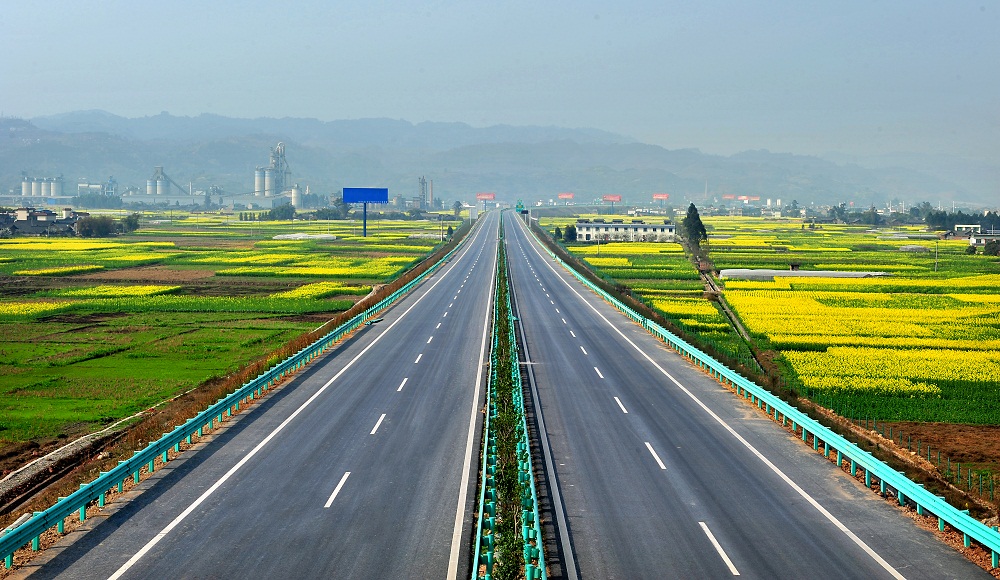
{"x": 377, "y": 423}
{"x": 204, "y": 496}
{"x": 781, "y": 474}
{"x": 336, "y": 490}
{"x": 655, "y": 456}
{"x": 718, "y": 548}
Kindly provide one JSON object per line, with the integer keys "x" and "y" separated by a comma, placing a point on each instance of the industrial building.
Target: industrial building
{"x": 618, "y": 231}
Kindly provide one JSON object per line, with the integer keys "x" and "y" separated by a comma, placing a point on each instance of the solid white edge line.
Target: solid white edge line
{"x": 781, "y": 474}
{"x": 402, "y": 383}
{"x": 204, "y": 496}
{"x": 655, "y": 456}
{"x": 718, "y": 548}
{"x": 619, "y": 401}
{"x": 598, "y": 372}
{"x": 377, "y": 423}
{"x": 418, "y": 358}
{"x": 336, "y": 490}
{"x": 456, "y": 537}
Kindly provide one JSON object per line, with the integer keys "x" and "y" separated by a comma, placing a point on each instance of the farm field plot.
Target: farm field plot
{"x": 922, "y": 344}
{"x": 95, "y": 330}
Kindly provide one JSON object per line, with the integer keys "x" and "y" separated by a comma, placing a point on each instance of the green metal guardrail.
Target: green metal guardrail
{"x": 488, "y": 526}
{"x": 875, "y": 471}
{"x": 95, "y": 491}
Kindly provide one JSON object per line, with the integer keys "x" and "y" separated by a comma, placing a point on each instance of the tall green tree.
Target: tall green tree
{"x": 457, "y": 208}
{"x": 694, "y": 230}
{"x": 570, "y": 234}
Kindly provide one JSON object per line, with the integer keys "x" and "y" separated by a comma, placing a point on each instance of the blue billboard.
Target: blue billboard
{"x": 366, "y": 195}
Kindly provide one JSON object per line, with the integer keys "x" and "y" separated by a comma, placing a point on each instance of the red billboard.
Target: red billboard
{"x": 486, "y": 196}
{"x": 612, "y": 198}
{"x": 754, "y": 198}
{"x": 565, "y": 196}
{"x": 729, "y": 196}
{"x": 661, "y": 196}
{"x": 744, "y": 198}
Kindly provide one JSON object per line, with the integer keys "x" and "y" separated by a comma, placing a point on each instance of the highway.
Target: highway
{"x": 363, "y": 466}
{"x": 662, "y": 473}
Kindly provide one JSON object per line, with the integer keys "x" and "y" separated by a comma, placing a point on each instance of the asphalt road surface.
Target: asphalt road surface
{"x": 363, "y": 467}
{"x": 664, "y": 474}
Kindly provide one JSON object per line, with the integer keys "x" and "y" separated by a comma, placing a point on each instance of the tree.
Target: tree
{"x": 694, "y": 230}
{"x": 839, "y": 212}
{"x": 871, "y": 217}
{"x": 457, "y": 207}
{"x": 130, "y": 223}
{"x": 558, "y": 234}
{"x": 282, "y": 212}
{"x": 570, "y": 233}
{"x": 970, "y": 249}
{"x": 451, "y": 232}
{"x": 992, "y": 248}
{"x": 95, "y": 226}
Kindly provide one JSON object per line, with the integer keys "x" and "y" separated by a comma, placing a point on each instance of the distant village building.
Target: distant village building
{"x": 968, "y": 228}
{"x": 979, "y": 240}
{"x": 618, "y": 231}
{"x": 41, "y": 222}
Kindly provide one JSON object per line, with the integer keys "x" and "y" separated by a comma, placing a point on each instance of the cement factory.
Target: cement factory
{"x": 272, "y": 186}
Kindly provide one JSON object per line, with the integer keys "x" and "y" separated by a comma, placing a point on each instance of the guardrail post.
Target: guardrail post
{"x": 100, "y": 500}
{"x": 83, "y": 512}
{"x": 135, "y": 476}
{"x": 966, "y": 540}
{"x": 34, "y": 544}
{"x": 826, "y": 449}
{"x": 854, "y": 468}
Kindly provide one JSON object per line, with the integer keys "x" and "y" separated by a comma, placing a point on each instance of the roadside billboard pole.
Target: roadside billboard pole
{"x": 364, "y": 196}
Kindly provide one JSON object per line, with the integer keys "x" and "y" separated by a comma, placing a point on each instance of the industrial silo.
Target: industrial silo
{"x": 268, "y": 182}
{"x": 46, "y": 187}
{"x": 258, "y": 182}
{"x": 57, "y": 186}
{"x": 296, "y": 196}
{"x": 36, "y": 187}
{"x": 162, "y": 187}
{"x": 26, "y": 187}
{"x": 150, "y": 187}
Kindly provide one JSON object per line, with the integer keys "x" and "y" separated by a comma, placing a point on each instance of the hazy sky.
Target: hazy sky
{"x": 806, "y": 77}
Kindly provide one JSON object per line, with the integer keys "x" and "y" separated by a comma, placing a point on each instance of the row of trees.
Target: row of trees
{"x": 103, "y": 226}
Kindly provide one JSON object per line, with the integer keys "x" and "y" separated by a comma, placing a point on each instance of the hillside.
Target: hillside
{"x": 515, "y": 162}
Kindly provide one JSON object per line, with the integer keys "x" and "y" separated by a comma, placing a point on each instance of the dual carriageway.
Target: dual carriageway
{"x": 365, "y": 465}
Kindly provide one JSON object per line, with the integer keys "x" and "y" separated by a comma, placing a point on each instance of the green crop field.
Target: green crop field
{"x": 94, "y": 330}
{"x": 918, "y": 345}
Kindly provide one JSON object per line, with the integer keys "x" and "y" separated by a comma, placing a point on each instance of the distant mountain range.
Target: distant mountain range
{"x": 516, "y": 162}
